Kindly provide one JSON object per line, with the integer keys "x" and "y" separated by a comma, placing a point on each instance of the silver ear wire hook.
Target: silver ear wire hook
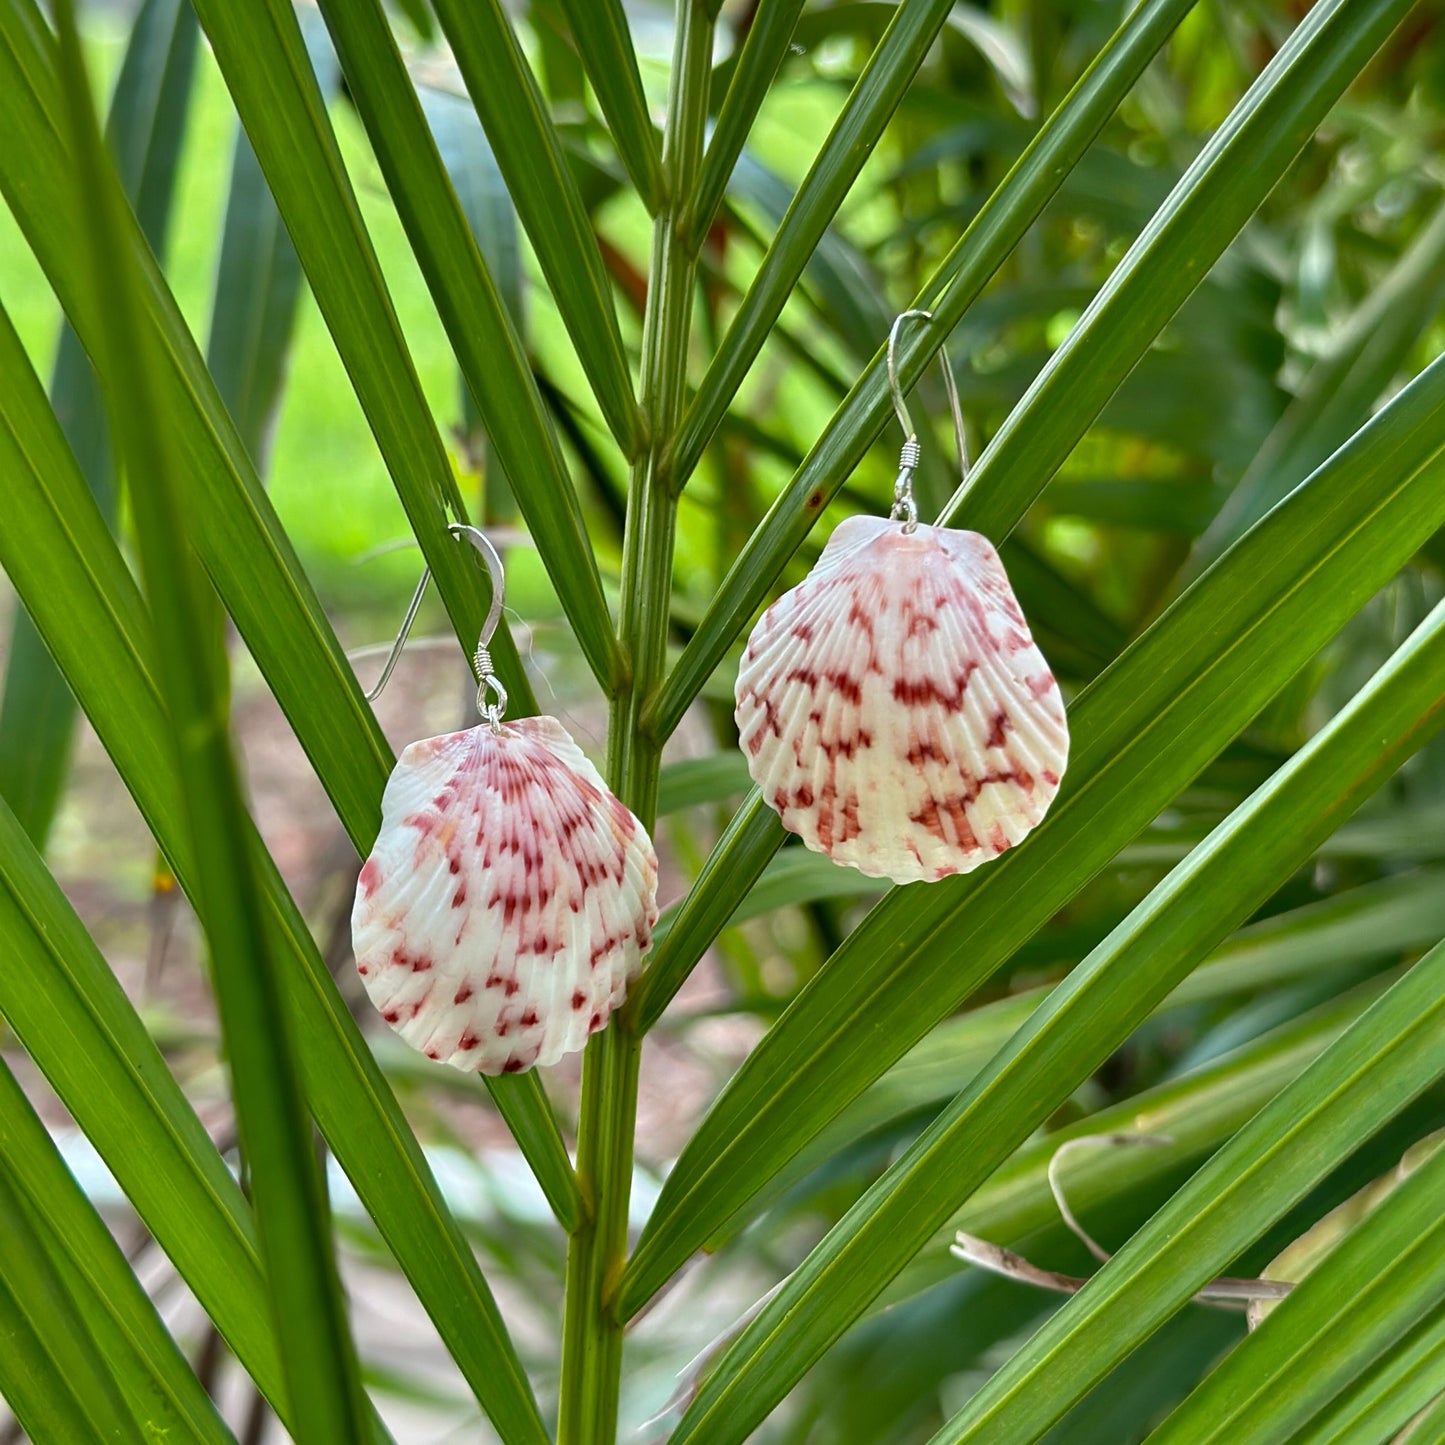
{"x": 487, "y": 679}
{"x": 905, "y": 509}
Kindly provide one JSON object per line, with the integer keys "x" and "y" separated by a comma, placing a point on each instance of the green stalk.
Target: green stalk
{"x": 592, "y": 1327}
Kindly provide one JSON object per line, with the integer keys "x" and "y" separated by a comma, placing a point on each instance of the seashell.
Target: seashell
{"x": 894, "y": 709}
{"x": 508, "y": 901}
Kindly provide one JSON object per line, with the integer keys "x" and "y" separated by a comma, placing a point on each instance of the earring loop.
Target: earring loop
{"x": 487, "y": 679}
{"x": 905, "y": 509}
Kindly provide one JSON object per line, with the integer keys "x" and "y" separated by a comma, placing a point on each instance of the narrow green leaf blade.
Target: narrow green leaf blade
{"x": 467, "y": 155}
{"x": 1237, "y": 868}
{"x": 147, "y": 122}
{"x": 763, "y": 52}
{"x": 239, "y": 538}
{"x": 1210, "y": 205}
{"x": 162, "y": 1392}
{"x": 66, "y": 568}
{"x": 486, "y": 343}
{"x": 1373, "y": 922}
{"x": 258, "y": 287}
{"x": 1140, "y": 733}
{"x": 1340, "y": 389}
{"x": 727, "y": 880}
{"x": 49, "y": 1370}
{"x": 263, "y": 59}
{"x": 878, "y": 93}
{"x": 1383, "y": 1399}
{"x": 527, "y": 148}
{"x": 37, "y": 731}
{"x": 257, "y": 291}
{"x": 1231, "y": 176}
{"x": 603, "y": 40}
{"x": 1384, "y": 1276}
{"x": 982, "y": 249}
{"x": 145, "y": 129}
{"x": 1428, "y": 1428}
{"x": 1361, "y": 1081}
{"x": 318, "y": 1356}
{"x": 63, "y": 1002}
{"x": 75, "y": 1021}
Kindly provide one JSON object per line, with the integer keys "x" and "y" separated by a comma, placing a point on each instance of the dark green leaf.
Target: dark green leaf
{"x": 525, "y": 143}
{"x": 702, "y": 780}
{"x": 983, "y": 248}
{"x": 144, "y": 1360}
{"x": 1374, "y": 922}
{"x": 318, "y": 1357}
{"x": 1139, "y": 734}
{"x": 50, "y": 1374}
{"x": 1216, "y": 196}
{"x": 482, "y": 193}
{"x": 258, "y": 282}
{"x": 1242, "y": 862}
{"x": 838, "y": 278}
{"x": 878, "y": 93}
{"x": 263, "y": 58}
{"x": 1371, "y": 1072}
{"x": 145, "y": 130}
{"x": 64, "y": 1004}
{"x": 1385, "y": 1397}
{"x": 763, "y": 52}
{"x": 1340, "y": 388}
{"x": 1385, "y": 1275}
{"x": 65, "y": 566}
{"x": 240, "y": 540}
{"x": 600, "y": 29}
{"x": 727, "y": 878}
{"x": 486, "y": 344}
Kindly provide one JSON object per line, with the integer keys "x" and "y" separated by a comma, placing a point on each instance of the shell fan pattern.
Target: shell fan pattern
{"x": 509, "y": 899}
{"x": 894, "y": 709}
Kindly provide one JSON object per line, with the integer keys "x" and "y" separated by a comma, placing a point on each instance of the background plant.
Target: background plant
{"x": 615, "y": 281}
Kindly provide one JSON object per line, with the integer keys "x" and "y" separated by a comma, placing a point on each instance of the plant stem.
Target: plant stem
{"x": 592, "y": 1331}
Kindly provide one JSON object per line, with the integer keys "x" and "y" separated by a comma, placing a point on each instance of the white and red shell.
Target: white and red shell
{"x": 894, "y": 709}
{"x": 508, "y": 901}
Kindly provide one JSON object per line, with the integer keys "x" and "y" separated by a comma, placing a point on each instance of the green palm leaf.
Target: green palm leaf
{"x": 264, "y": 59}
{"x": 162, "y": 1393}
{"x": 304, "y": 1290}
{"x": 982, "y": 249}
{"x": 1385, "y": 1275}
{"x": 1241, "y": 864}
{"x": 527, "y": 148}
{"x": 49, "y": 1371}
{"x": 1375, "y": 1068}
{"x": 146, "y": 126}
{"x": 490, "y": 353}
{"x": 66, "y": 568}
{"x": 600, "y": 29}
{"x": 1139, "y": 735}
{"x": 238, "y": 537}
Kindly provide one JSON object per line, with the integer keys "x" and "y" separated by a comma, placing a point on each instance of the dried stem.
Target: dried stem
{"x": 1223, "y": 1293}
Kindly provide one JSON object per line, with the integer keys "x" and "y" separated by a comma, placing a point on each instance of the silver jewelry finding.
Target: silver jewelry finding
{"x": 905, "y": 509}
{"x": 487, "y": 679}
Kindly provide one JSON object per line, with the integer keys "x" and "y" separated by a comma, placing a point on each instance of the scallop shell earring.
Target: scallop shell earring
{"x": 510, "y": 897}
{"x": 893, "y": 708}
